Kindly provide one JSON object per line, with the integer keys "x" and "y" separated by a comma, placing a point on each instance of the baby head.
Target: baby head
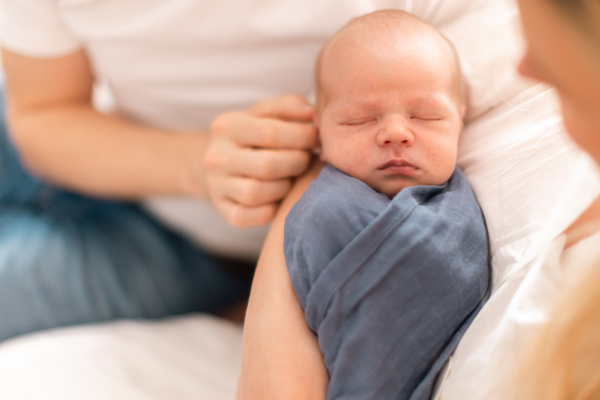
{"x": 389, "y": 107}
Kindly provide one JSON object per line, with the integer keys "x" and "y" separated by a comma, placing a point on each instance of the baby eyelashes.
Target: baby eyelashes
{"x": 371, "y": 120}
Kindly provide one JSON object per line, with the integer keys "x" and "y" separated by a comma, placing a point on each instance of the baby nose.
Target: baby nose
{"x": 396, "y": 131}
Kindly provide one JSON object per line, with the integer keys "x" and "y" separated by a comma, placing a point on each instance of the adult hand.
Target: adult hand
{"x": 253, "y": 156}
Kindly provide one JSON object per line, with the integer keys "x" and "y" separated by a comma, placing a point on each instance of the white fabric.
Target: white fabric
{"x": 540, "y": 285}
{"x": 187, "y": 358}
{"x": 529, "y": 178}
{"x": 533, "y": 162}
{"x": 45, "y": 34}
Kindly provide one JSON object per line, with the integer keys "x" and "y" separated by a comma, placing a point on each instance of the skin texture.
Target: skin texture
{"x": 245, "y": 163}
{"x": 391, "y": 118}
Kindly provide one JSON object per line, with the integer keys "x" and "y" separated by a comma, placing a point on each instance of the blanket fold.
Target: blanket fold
{"x": 389, "y": 286}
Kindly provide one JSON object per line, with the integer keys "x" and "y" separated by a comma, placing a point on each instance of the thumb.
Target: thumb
{"x": 291, "y": 107}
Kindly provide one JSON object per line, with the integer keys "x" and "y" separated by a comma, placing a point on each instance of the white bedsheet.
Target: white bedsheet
{"x": 191, "y": 357}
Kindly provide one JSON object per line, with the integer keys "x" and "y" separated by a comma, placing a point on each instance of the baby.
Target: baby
{"x": 387, "y": 249}
{"x": 389, "y": 107}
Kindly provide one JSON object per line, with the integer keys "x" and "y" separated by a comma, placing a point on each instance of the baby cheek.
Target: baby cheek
{"x": 358, "y": 163}
{"x": 348, "y": 156}
{"x": 442, "y": 161}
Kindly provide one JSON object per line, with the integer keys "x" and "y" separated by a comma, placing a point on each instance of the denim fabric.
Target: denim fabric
{"x": 389, "y": 286}
{"x": 69, "y": 259}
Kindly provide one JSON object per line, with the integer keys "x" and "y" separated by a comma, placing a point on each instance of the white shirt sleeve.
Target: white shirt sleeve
{"x": 34, "y": 28}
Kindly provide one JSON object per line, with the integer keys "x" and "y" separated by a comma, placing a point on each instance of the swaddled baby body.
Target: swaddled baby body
{"x": 387, "y": 248}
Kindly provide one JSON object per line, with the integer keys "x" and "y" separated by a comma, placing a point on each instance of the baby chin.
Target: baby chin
{"x": 391, "y": 185}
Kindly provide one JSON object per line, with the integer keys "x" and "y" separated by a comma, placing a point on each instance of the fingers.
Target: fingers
{"x": 246, "y": 184}
{"x": 270, "y": 164}
{"x": 248, "y": 130}
{"x": 245, "y": 201}
{"x": 226, "y": 157}
{"x": 292, "y": 107}
{"x": 244, "y": 217}
{"x": 253, "y": 192}
{"x": 253, "y": 154}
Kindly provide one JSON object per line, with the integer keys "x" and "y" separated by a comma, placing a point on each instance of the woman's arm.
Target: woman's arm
{"x": 244, "y": 164}
{"x": 280, "y": 358}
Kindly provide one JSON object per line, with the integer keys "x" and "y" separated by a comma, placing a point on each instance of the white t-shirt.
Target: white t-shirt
{"x": 176, "y": 64}
{"x": 541, "y": 284}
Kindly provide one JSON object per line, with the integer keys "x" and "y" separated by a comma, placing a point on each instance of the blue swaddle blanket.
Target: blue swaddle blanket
{"x": 389, "y": 286}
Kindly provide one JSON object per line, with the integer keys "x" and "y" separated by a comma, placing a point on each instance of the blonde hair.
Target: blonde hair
{"x": 564, "y": 360}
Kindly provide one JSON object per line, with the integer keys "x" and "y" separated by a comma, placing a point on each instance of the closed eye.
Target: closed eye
{"x": 427, "y": 118}
{"x": 358, "y": 122}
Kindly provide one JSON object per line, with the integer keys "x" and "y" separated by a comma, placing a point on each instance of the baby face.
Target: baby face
{"x": 389, "y": 114}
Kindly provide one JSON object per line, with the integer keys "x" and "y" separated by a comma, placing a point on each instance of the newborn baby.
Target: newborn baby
{"x": 387, "y": 248}
{"x": 389, "y": 107}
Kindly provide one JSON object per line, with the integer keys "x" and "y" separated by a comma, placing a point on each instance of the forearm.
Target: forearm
{"x": 281, "y": 358}
{"x": 60, "y": 137}
{"x": 79, "y": 148}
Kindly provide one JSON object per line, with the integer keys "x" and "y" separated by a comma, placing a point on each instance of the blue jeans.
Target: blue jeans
{"x": 69, "y": 259}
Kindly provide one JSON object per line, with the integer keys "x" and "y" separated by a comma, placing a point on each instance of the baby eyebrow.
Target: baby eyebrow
{"x": 434, "y": 100}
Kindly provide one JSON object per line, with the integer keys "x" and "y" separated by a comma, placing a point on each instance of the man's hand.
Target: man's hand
{"x": 253, "y": 156}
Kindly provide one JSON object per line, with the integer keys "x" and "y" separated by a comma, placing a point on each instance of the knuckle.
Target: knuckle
{"x": 266, "y": 106}
{"x": 262, "y": 108}
{"x": 249, "y": 192}
{"x": 293, "y": 99}
{"x": 212, "y": 158}
{"x": 237, "y": 216}
{"x": 221, "y": 124}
